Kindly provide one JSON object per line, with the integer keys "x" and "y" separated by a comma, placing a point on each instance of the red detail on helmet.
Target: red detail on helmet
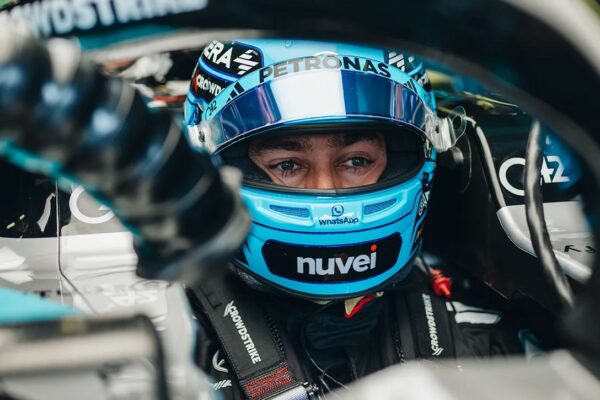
{"x": 358, "y": 306}
{"x": 373, "y": 247}
{"x": 195, "y": 87}
{"x": 442, "y": 285}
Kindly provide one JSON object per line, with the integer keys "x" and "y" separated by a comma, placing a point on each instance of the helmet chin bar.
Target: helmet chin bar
{"x": 321, "y": 246}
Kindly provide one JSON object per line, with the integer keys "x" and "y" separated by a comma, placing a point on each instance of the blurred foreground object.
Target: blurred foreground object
{"x": 557, "y": 375}
{"x": 118, "y": 358}
{"x": 59, "y": 116}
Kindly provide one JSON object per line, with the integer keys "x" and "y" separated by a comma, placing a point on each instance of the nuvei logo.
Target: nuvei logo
{"x": 343, "y": 265}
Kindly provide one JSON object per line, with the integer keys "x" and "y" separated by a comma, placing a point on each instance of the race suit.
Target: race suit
{"x": 328, "y": 349}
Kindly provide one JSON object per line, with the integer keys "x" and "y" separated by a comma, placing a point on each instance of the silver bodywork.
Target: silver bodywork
{"x": 555, "y": 376}
{"x": 92, "y": 269}
{"x": 571, "y": 237}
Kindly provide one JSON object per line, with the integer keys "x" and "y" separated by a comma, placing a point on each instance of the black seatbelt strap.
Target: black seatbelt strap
{"x": 404, "y": 326}
{"x": 246, "y": 336}
{"x": 430, "y": 321}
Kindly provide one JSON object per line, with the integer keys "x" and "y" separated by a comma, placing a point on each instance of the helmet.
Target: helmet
{"x": 321, "y": 243}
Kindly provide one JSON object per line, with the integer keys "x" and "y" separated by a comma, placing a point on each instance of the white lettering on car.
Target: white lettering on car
{"x": 550, "y": 175}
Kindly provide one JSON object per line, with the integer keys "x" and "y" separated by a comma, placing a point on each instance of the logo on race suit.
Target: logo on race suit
{"x": 329, "y": 61}
{"x": 89, "y": 213}
{"x": 234, "y": 59}
{"x": 221, "y": 384}
{"x": 436, "y": 350}
{"x": 332, "y": 264}
{"x": 219, "y": 363}
{"x": 511, "y": 171}
{"x": 60, "y": 17}
{"x": 232, "y": 311}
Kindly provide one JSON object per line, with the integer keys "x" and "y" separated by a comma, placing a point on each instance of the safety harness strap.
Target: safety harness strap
{"x": 247, "y": 338}
{"x": 424, "y": 326}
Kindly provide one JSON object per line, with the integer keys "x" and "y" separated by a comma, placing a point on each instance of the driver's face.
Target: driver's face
{"x": 321, "y": 161}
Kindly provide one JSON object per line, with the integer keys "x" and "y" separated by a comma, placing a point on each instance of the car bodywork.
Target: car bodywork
{"x": 87, "y": 260}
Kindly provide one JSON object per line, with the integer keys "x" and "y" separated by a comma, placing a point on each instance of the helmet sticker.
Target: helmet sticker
{"x": 408, "y": 64}
{"x": 233, "y": 59}
{"x": 337, "y": 210}
{"x": 398, "y": 60}
{"x": 314, "y": 63}
{"x": 332, "y": 264}
{"x": 328, "y": 61}
{"x": 206, "y": 86}
{"x": 422, "y": 204}
{"x": 338, "y": 217}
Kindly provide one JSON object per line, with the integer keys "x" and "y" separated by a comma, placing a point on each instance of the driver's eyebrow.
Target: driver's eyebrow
{"x": 302, "y": 144}
{"x": 348, "y": 139}
{"x": 289, "y": 144}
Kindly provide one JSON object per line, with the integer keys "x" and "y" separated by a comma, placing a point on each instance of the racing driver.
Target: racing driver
{"x": 337, "y": 144}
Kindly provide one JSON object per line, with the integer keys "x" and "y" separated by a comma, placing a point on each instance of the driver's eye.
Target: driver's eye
{"x": 287, "y": 165}
{"x": 356, "y": 162}
{"x": 285, "y": 168}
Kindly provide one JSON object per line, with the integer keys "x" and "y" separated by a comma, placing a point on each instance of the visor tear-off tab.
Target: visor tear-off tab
{"x": 245, "y": 335}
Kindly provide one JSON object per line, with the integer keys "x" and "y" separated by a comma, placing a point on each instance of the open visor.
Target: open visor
{"x": 324, "y": 96}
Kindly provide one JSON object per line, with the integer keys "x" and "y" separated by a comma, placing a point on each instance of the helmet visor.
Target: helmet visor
{"x": 318, "y": 97}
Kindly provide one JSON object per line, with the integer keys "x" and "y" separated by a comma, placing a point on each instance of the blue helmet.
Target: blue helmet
{"x": 321, "y": 244}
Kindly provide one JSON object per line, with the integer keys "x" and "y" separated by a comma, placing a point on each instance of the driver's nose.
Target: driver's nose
{"x": 322, "y": 178}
